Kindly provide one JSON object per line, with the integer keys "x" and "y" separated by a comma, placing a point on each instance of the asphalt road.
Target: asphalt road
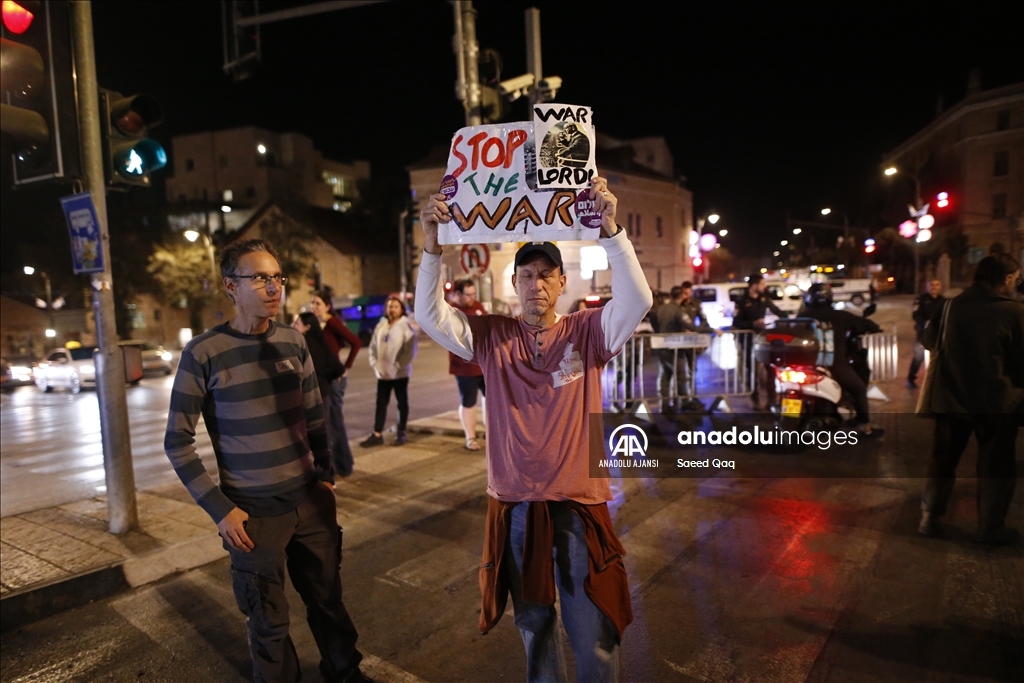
{"x": 51, "y": 453}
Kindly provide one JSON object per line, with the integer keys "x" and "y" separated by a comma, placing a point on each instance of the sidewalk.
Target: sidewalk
{"x": 62, "y": 557}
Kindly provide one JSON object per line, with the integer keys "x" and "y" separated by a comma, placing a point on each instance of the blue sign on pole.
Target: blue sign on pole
{"x": 84, "y": 226}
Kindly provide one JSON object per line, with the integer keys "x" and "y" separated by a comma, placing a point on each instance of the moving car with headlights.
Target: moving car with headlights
{"x": 155, "y": 358}
{"x": 17, "y": 371}
{"x": 69, "y": 368}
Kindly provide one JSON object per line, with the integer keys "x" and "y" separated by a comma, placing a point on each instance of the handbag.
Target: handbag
{"x": 924, "y": 400}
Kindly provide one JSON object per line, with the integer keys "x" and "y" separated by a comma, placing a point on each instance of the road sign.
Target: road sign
{"x": 475, "y": 259}
{"x": 84, "y": 226}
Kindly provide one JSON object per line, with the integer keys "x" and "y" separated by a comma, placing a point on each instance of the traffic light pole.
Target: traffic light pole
{"x": 117, "y": 451}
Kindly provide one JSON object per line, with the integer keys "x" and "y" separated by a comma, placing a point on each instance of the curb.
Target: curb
{"x": 21, "y": 608}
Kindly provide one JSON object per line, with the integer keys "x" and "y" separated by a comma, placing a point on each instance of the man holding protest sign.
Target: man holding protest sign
{"x": 543, "y": 375}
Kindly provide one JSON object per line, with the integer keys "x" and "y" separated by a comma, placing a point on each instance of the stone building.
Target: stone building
{"x": 221, "y": 178}
{"x": 975, "y": 152}
{"x": 654, "y": 208}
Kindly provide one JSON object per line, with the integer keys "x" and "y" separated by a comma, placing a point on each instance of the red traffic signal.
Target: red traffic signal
{"x": 942, "y": 200}
{"x": 17, "y": 16}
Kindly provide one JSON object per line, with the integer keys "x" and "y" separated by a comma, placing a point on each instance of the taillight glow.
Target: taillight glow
{"x": 798, "y": 376}
{"x": 776, "y": 336}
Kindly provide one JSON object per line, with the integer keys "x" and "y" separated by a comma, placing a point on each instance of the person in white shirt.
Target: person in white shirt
{"x": 392, "y": 349}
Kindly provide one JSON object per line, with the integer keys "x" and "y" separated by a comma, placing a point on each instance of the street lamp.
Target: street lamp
{"x": 918, "y": 208}
{"x": 29, "y": 270}
{"x": 705, "y": 243}
{"x": 192, "y": 236}
{"x": 797, "y": 231}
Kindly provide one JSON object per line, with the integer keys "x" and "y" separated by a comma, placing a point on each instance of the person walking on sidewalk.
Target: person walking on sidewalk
{"x": 543, "y": 371}
{"x": 977, "y": 387}
{"x": 925, "y": 307}
{"x": 392, "y": 348}
{"x": 253, "y": 382}
{"x": 468, "y": 376}
{"x": 338, "y": 336}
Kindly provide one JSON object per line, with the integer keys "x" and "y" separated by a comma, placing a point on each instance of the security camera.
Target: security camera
{"x": 516, "y": 86}
{"x": 551, "y": 83}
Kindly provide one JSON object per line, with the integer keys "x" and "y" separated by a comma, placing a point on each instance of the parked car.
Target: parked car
{"x": 155, "y": 358}
{"x": 718, "y": 300}
{"x": 17, "y": 371}
{"x": 71, "y": 368}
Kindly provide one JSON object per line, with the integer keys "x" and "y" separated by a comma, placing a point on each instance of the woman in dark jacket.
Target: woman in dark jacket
{"x": 337, "y": 336}
{"x": 326, "y": 364}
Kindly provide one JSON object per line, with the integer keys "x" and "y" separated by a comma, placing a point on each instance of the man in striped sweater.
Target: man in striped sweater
{"x": 253, "y": 382}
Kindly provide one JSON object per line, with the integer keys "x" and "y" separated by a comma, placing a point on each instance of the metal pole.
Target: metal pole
{"x": 49, "y": 300}
{"x": 917, "y": 245}
{"x": 403, "y": 254}
{"x": 471, "y": 61}
{"x": 117, "y": 451}
{"x": 533, "y": 52}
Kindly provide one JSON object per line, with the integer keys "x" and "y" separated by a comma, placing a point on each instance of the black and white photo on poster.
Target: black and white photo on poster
{"x": 565, "y": 145}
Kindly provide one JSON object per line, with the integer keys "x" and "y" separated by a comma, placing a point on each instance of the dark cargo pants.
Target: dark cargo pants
{"x": 997, "y": 467}
{"x": 308, "y": 539}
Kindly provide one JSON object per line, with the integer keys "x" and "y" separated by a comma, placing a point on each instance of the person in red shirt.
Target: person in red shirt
{"x": 469, "y": 376}
{"x": 338, "y": 336}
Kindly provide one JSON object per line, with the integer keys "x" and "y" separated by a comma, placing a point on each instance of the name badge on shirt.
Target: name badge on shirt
{"x": 570, "y": 368}
{"x": 284, "y": 366}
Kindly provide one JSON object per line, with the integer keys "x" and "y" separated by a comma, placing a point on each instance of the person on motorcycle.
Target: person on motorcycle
{"x": 845, "y": 328}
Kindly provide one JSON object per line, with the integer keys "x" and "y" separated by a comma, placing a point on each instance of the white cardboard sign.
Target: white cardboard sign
{"x": 491, "y": 187}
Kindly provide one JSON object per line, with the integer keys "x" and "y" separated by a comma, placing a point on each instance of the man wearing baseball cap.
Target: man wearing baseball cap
{"x": 543, "y": 377}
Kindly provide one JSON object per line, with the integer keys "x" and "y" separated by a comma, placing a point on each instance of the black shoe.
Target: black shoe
{"x": 929, "y": 525}
{"x": 911, "y": 384}
{"x": 372, "y": 440}
{"x": 401, "y": 438}
{"x": 876, "y": 434}
{"x": 997, "y": 536}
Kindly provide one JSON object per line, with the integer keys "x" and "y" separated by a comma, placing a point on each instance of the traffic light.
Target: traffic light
{"x": 942, "y": 200}
{"x": 869, "y": 246}
{"x": 39, "y": 115}
{"x": 131, "y": 156}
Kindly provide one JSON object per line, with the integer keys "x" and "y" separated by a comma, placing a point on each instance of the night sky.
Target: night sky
{"x": 767, "y": 107}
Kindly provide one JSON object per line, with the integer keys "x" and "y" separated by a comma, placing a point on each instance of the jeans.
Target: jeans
{"x": 673, "y": 363}
{"x": 592, "y": 635}
{"x": 997, "y": 467}
{"x": 308, "y": 540}
{"x": 341, "y": 454}
{"x": 384, "y": 388}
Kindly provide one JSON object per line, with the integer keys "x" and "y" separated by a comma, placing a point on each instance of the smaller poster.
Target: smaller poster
{"x": 565, "y": 146}
{"x": 490, "y": 187}
{"x": 84, "y": 228}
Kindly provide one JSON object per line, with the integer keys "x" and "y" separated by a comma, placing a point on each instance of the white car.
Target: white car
{"x": 718, "y": 301}
{"x": 68, "y": 368}
{"x": 155, "y": 358}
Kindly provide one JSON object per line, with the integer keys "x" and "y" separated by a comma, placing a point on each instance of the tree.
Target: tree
{"x": 292, "y": 241}
{"x": 182, "y": 274}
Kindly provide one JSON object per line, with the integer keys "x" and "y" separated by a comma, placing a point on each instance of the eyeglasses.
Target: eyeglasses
{"x": 261, "y": 280}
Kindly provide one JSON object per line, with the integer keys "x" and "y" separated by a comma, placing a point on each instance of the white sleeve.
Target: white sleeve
{"x": 631, "y": 296}
{"x": 442, "y": 323}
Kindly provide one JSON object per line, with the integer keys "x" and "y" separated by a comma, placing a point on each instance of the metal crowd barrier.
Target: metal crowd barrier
{"x": 883, "y": 355}
{"x": 709, "y": 366}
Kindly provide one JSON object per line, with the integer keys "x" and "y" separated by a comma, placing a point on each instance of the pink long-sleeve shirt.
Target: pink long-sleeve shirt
{"x": 542, "y": 383}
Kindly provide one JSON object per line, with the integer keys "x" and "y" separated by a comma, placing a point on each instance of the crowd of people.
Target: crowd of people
{"x": 272, "y": 397}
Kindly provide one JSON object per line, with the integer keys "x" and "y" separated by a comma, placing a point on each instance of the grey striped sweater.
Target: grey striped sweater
{"x": 259, "y": 398}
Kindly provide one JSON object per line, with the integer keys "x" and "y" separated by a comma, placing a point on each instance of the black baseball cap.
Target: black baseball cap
{"x": 546, "y": 248}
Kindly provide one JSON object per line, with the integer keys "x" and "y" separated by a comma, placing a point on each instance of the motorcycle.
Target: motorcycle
{"x": 800, "y": 352}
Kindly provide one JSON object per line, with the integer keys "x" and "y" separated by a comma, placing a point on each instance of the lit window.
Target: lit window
{"x": 229, "y": 195}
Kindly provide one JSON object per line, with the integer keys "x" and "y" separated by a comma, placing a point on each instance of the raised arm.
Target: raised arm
{"x": 631, "y": 296}
{"x": 442, "y": 323}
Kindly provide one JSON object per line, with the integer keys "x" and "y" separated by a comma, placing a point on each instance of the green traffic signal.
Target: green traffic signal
{"x": 131, "y": 155}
